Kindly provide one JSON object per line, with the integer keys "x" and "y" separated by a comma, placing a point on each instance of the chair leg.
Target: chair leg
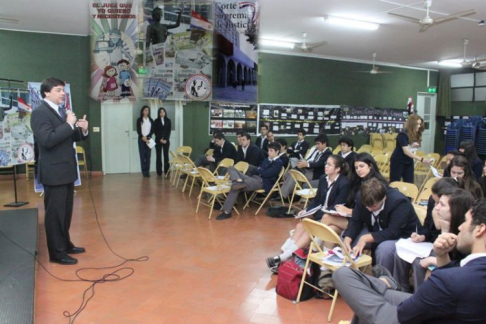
{"x": 334, "y": 298}
{"x": 199, "y": 199}
{"x": 185, "y": 184}
{"x": 248, "y": 201}
{"x": 291, "y": 202}
{"x": 302, "y": 282}
{"x": 212, "y": 200}
{"x": 263, "y": 203}
{"x": 192, "y": 186}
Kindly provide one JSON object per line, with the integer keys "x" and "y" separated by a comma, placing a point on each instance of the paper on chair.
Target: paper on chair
{"x": 151, "y": 143}
{"x": 408, "y": 250}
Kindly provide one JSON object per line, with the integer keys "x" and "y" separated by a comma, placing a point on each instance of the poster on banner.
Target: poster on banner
{"x": 236, "y": 31}
{"x": 34, "y": 100}
{"x": 16, "y": 137}
{"x": 178, "y": 50}
{"x": 114, "y": 44}
{"x": 288, "y": 119}
{"x": 228, "y": 118}
{"x": 362, "y": 121}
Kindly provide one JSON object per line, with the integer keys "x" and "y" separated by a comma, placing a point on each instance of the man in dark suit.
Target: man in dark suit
{"x": 312, "y": 167}
{"x": 55, "y": 132}
{"x": 249, "y": 152}
{"x": 454, "y": 293}
{"x": 299, "y": 148}
{"x": 223, "y": 150}
{"x": 387, "y": 215}
{"x": 262, "y": 141}
{"x": 264, "y": 177}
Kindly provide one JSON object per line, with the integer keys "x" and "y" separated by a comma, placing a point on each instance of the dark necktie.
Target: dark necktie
{"x": 61, "y": 113}
{"x": 376, "y": 225}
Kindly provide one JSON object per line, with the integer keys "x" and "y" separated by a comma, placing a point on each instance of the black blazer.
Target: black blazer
{"x": 229, "y": 151}
{"x": 285, "y": 160}
{"x": 259, "y": 143}
{"x": 318, "y": 166}
{"x": 54, "y": 138}
{"x": 339, "y": 193}
{"x": 139, "y": 127}
{"x": 397, "y": 220}
{"x": 254, "y": 155}
{"x": 295, "y": 151}
{"x": 349, "y": 159}
{"x": 269, "y": 171}
{"x": 161, "y": 131}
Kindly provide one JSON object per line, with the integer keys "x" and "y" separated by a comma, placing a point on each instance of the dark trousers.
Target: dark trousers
{"x": 144, "y": 152}
{"x": 158, "y": 159}
{"x": 58, "y": 204}
{"x": 400, "y": 170}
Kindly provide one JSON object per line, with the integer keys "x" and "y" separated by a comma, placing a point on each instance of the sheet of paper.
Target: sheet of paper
{"x": 151, "y": 143}
{"x": 435, "y": 172}
{"x": 309, "y": 212}
{"x": 409, "y": 251}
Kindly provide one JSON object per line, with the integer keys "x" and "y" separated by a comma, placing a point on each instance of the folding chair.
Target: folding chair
{"x": 337, "y": 150}
{"x": 209, "y": 152}
{"x": 29, "y": 168}
{"x": 376, "y": 141}
{"x": 214, "y": 190}
{"x": 408, "y": 189}
{"x": 389, "y": 140}
{"x": 242, "y": 166}
{"x": 383, "y": 162}
{"x": 326, "y": 234}
{"x": 364, "y": 148}
{"x": 275, "y": 188}
{"x": 185, "y": 150}
{"x": 299, "y": 190}
{"x": 423, "y": 197}
{"x": 421, "y": 213}
{"x": 225, "y": 163}
{"x": 174, "y": 169}
{"x": 189, "y": 169}
{"x": 82, "y": 159}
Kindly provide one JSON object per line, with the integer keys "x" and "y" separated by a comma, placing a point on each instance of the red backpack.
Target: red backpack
{"x": 290, "y": 274}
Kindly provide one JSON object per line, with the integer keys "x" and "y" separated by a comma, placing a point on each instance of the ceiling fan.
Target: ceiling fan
{"x": 428, "y": 22}
{"x": 375, "y": 69}
{"x": 305, "y": 47}
{"x": 476, "y": 64}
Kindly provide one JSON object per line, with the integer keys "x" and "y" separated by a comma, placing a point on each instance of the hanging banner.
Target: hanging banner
{"x": 362, "y": 121}
{"x": 114, "y": 44}
{"x": 16, "y": 137}
{"x": 236, "y": 30}
{"x": 177, "y": 50}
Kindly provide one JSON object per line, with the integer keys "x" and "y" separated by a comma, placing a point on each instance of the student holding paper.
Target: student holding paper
{"x": 144, "y": 131}
{"x": 333, "y": 189}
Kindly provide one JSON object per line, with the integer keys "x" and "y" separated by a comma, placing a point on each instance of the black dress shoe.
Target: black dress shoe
{"x": 223, "y": 216}
{"x": 67, "y": 260}
{"x": 76, "y": 250}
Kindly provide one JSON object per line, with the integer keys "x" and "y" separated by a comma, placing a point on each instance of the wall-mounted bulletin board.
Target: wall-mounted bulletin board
{"x": 288, "y": 119}
{"x": 229, "y": 118}
{"x": 358, "y": 120}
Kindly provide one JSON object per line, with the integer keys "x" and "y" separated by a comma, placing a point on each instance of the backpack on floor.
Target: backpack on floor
{"x": 279, "y": 212}
{"x": 290, "y": 274}
{"x": 326, "y": 284}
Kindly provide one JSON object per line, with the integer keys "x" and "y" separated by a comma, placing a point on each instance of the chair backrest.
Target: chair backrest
{"x": 187, "y": 163}
{"x": 421, "y": 213}
{"x": 364, "y": 148}
{"x": 209, "y": 152}
{"x": 424, "y": 196}
{"x": 376, "y": 141}
{"x": 435, "y": 157}
{"x": 174, "y": 157}
{"x": 325, "y": 234}
{"x": 430, "y": 183}
{"x": 206, "y": 176}
{"x": 226, "y": 163}
{"x": 310, "y": 151}
{"x": 80, "y": 151}
{"x": 186, "y": 150}
{"x": 376, "y": 152}
{"x": 389, "y": 141}
{"x": 242, "y": 166}
{"x": 337, "y": 149}
{"x": 300, "y": 180}
{"x": 408, "y": 189}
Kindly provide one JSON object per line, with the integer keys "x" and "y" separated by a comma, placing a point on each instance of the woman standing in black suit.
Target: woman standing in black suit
{"x": 144, "y": 131}
{"x": 162, "y": 128}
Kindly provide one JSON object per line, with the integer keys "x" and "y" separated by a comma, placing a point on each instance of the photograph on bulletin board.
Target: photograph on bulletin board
{"x": 230, "y": 118}
{"x": 357, "y": 120}
{"x": 288, "y": 119}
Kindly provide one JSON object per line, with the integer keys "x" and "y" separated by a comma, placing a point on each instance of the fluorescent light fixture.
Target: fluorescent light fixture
{"x": 451, "y": 63}
{"x": 269, "y": 42}
{"x": 353, "y": 23}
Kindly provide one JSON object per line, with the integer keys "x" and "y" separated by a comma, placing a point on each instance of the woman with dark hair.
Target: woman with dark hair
{"x": 333, "y": 189}
{"x": 468, "y": 148}
{"x": 459, "y": 168}
{"x": 482, "y": 180}
{"x": 162, "y": 129}
{"x": 449, "y": 156}
{"x": 402, "y": 159}
{"x": 144, "y": 131}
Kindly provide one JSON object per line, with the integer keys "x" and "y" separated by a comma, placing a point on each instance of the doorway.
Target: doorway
{"x": 426, "y": 108}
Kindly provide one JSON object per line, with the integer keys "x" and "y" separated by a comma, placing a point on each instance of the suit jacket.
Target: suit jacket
{"x": 254, "y": 155}
{"x": 349, "y": 159}
{"x": 295, "y": 151}
{"x": 54, "y": 138}
{"x": 339, "y": 193}
{"x": 318, "y": 166}
{"x": 229, "y": 151}
{"x": 161, "y": 131}
{"x": 397, "y": 220}
{"x": 285, "y": 160}
{"x": 139, "y": 127}
{"x": 450, "y": 295}
{"x": 269, "y": 171}
{"x": 259, "y": 143}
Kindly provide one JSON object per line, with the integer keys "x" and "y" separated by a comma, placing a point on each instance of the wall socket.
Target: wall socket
{"x": 96, "y": 129}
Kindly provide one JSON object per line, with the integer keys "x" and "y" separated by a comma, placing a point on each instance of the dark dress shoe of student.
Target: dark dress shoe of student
{"x": 67, "y": 260}
{"x": 273, "y": 261}
{"x": 76, "y": 250}
{"x": 223, "y": 216}
{"x": 381, "y": 272}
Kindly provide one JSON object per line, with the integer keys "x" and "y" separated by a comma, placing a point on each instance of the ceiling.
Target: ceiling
{"x": 396, "y": 42}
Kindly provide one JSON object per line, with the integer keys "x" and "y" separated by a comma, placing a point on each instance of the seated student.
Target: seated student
{"x": 264, "y": 177}
{"x": 239, "y": 134}
{"x": 333, "y": 189}
{"x": 261, "y": 140}
{"x": 443, "y": 190}
{"x": 449, "y": 156}
{"x": 454, "y": 293}
{"x": 459, "y": 168}
{"x": 364, "y": 169}
{"x": 283, "y": 152}
{"x": 312, "y": 167}
{"x": 468, "y": 148}
{"x": 270, "y": 139}
{"x": 223, "y": 150}
{"x": 299, "y": 148}
{"x": 249, "y": 152}
{"x": 347, "y": 146}
{"x": 387, "y": 216}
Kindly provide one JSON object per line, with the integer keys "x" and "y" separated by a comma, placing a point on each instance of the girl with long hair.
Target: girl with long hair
{"x": 162, "y": 129}
{"x": 144, "y": 131}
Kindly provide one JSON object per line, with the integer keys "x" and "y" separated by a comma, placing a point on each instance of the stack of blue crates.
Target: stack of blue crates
{"x": 460, "y": 130}
{"x": 481, "y": 139}
{"x": 452, "y": 136}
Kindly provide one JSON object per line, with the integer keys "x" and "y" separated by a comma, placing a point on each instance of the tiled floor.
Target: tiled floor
{"x": 199, "y": 271}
